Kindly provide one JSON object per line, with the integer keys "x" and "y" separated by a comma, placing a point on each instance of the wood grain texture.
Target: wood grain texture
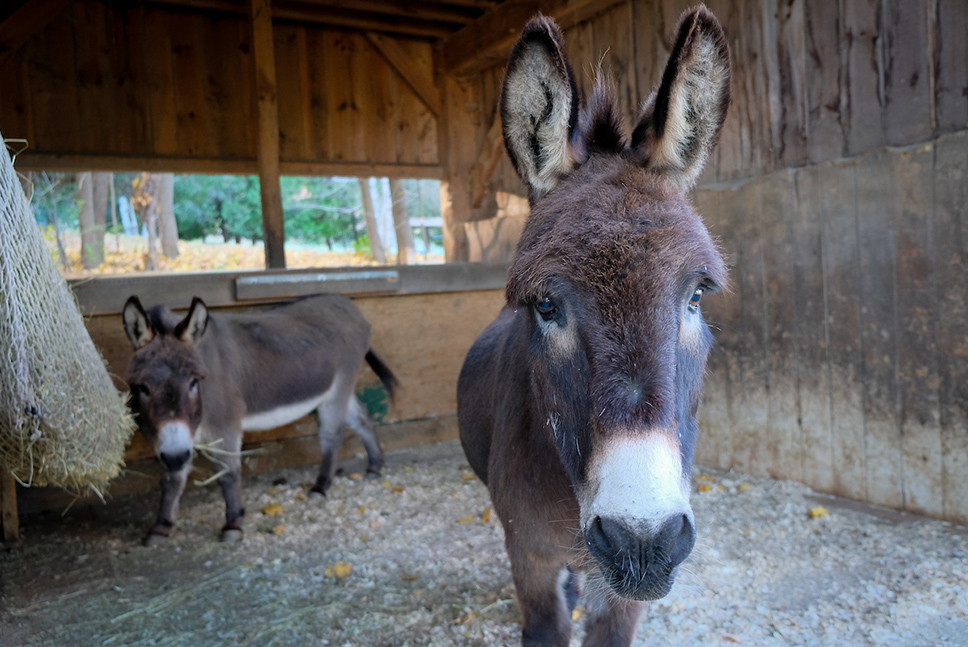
{"x": 951, "y": 260}
{"x": 907, "y": 73}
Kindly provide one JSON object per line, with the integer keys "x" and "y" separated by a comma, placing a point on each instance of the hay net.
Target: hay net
{"x": 62, "y": 422}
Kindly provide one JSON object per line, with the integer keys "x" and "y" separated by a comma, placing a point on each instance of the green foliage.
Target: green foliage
{"x": 229, "y": 205}
{"x": 321, "y": 209}
{"x": 53, "y": 198}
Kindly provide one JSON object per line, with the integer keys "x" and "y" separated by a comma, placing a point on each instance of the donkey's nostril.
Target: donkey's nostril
{"x": 176, "y": 460}
{"x": 681, "y": 535}
{"x": 610, "y": 539}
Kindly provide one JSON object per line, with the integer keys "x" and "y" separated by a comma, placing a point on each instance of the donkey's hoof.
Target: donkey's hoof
{"x": 152, "y": 539}
{"x": 231, "y": 536}
{"x": 316, "y": 495}
{"x": 372, "y": 474}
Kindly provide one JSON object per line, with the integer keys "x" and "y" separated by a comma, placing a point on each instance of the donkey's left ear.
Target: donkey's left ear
{"x": 539, "y": 107}
{"x": 192, "y": 327}
{"x": 681, "y": 121}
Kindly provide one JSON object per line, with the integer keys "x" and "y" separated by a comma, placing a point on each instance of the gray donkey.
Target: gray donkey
{"x": 209, "y": 377}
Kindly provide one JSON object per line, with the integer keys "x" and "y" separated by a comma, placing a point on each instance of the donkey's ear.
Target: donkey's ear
{"x": 539, "y": 107}
{"x": 681, "y": 121}
{"x": 192, "y": 327}
{"x": 136, "y": 323}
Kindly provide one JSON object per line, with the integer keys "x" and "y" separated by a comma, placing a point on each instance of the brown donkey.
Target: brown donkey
{"x": 251, "y": 372}
{"x": 577, "y": 404}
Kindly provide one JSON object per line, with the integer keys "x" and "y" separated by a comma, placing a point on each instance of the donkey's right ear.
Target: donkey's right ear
{"x": 539, "y": 107}
{"x": 136, "y": 323}
{"x": 192, "y": 327}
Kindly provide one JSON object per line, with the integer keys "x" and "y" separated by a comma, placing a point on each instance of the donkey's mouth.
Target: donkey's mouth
{"x": 637, "y": 564}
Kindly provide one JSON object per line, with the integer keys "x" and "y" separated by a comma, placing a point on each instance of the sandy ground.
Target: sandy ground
{"x": 413, "y": 559}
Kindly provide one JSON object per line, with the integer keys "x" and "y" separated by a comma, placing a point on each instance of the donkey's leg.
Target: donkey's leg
{"x": 332, "y": 414}
{"x": 359, "y": 421}
{"x": 172, "y": 486}
{"x": 231, "y": 484}
{"x": 537, "y": 578}
{"x": 613, "y": 624}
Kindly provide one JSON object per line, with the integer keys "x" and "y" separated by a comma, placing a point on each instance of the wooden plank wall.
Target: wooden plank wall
{"x": 132, "y": 80}
{"x": 842, "y": 352}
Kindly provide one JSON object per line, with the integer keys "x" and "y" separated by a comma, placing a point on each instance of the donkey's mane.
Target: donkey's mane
{"x": 601, "y": 129}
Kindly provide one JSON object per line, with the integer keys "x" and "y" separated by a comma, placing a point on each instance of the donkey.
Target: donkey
{"x": 252, "y": 372}
{"x": 577, "y": 404}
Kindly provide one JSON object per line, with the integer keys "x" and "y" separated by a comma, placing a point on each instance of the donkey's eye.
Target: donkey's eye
{"x": 696, "y": 298}
{"x": 141, "y": 389}
{"x": 193, "y": 385}
{"x": 546, "y": 308}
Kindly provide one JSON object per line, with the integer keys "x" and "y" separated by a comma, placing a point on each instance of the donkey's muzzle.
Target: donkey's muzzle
{"x": 640, "y": 563}
{"x": 176, "y": 460}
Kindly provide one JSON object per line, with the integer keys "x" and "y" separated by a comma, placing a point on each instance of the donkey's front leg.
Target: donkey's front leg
{"x": 172, "y": 486}
{"x": 231, "y": 484}
{"x": 613, "y": 623}
{"x": 537, "y": 579}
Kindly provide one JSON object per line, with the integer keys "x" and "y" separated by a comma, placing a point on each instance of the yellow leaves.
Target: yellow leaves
{"x": 272, "y": 510}
{"x": 705, "y": 487}
{"x": 301, "y": 496}
{"x": 278, "y": 530}
{"x": 819, "y": 511}
{"x": 397, "y": 490}
{"x": 468, "y": 476}
{"x": 742, "y": 487}
{"x": 339, "y": 570}
{"x": 485, "y": 517}
{"x": 356, "y": 476}
{"x": 576, "y": 613}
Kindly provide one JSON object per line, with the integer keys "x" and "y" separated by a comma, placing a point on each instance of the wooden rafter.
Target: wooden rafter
{"x": 27, "y": 21}
{"x": 398, "y": 59}
{"x": 410, "y": 8}
{"x": 487, "y": 41}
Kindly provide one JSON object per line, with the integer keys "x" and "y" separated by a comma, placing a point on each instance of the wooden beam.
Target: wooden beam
{"x": 398, "y": 59}
{"x": 336, "y": 17}
{"x": 9, "y": 520}
{"x": 263, "y": 54}
{"x": 430, "y": 11}
{"x": 214, "y": 166}
{"x": 487, "y": 41}
{"x": 487, "y": 161}
{"x": 27, "y": 21}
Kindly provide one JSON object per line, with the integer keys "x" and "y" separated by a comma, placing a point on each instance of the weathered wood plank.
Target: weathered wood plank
{"x": 54, "y": 87}
{"x": 791, "y": 83}
{"x": 907, "y": 73}
{"x": 228, "y": 94}
{"x": 951, "y": 240}
{"x": 811, "y": 328}
{"x": 863, "y": 67}
{"x": 878, "y": 319}
{"x": 951, "y": 58}
{"x": 94, "y": 77}
{"x": 28, "y": 20}
{"x": 399, "y": 60}
{"x": 127, "y": 54}
{"x": 917, "y": 343}
{"x": 824, "y": 119}
{"x": 289, "y": 43}
{"x": 158, "y": 73}
{"x": 268, "y": 113}
{"x": 318, "y": 66}
{"x": 187, "y": 35}
{"x": 844, "y": 360}
{"x": 782, "y": 431}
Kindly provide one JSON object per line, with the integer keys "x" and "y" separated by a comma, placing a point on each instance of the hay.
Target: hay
{"x": 62, "y": 422}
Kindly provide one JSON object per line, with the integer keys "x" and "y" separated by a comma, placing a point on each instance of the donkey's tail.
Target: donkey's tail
{"x": 385, "y": 374}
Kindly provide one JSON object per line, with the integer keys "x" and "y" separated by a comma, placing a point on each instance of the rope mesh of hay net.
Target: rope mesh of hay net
{"x": 62, "y": 422}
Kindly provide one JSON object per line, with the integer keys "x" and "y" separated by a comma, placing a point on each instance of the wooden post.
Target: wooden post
{"x": 268, "y": 110}
{"x": 9, "y": 522}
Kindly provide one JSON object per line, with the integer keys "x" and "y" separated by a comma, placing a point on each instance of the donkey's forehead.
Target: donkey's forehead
{"x": 165, "y": 358}
{"x": 616, "y": 220}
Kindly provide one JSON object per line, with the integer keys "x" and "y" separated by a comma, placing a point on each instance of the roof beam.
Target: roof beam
{"x": 487, "y": 41}
{"x": 20, "y": 26}
{"x": 398, "y": 59}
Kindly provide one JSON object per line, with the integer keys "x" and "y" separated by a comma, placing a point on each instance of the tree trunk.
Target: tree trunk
{"x": 401, "y": 224}
{"x": 147, "y": 209}
{"x": 92, "y": 249}
{"x": 423, "y": 224}
{"x": 101, "y": 189}
{"x": 376, "y": 246}
{"x": 167, "y": 227}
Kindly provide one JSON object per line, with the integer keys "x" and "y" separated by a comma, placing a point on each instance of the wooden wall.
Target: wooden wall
{"x": 176, "y": 89}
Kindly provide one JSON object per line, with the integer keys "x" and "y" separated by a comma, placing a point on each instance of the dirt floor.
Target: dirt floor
{"x": 415, "y": 558}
